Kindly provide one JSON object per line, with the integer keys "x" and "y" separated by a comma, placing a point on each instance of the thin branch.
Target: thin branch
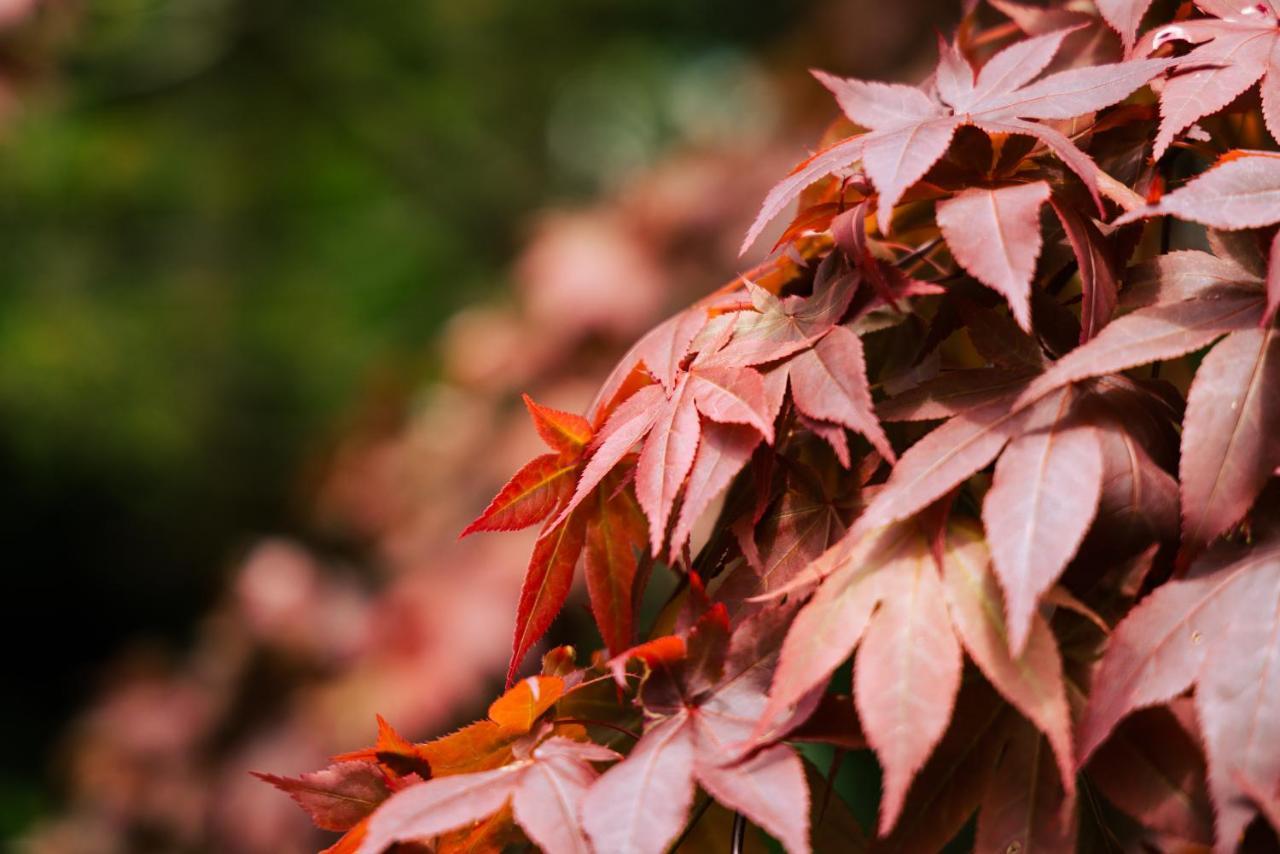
{"x": 739, "y": 833}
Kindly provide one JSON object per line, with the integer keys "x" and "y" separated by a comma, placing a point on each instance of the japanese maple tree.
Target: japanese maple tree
{"x": 987, "y": 456}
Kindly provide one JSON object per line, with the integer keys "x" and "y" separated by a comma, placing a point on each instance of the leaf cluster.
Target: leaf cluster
{"x": 997, "y": 427}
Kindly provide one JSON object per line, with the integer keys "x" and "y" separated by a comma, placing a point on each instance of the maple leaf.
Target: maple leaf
{"x": 778, "y": 328}
{"x": 1032, "y": 680}
{"x": 1240, "y": 192}
{"x": 1151, "y": 767}
{"x": 723, "y": 451}
{"x": 1026, "y": 808}
{"x": 810, "y": 515}
{"x": 910, "y": 129}
{"x": 609, "y": 530}
{"x": 1097, "y": 260}
{"x": 1046, "y": 490}
{"x": 543, "y": 785}
{"x": 722, "y": 394}
{"x": 340, "y": 796}
{"x": 822, "y": 363}
{"x": 1124, "y": 16}
{"x": 479, "y": 746}
{"x": 952, "y": 784}
{"x": 397, "y": 755}
{"x": 1231, "y": 431}
{"x": 1217, "y": 629}
{"x": 942, "y": 460}
{"x": 995, "y": 235}
{"x": 1234, "y": 50}
{"x": 882, "y": 595}
{"x": 669, "y": 425}
{"x": 344, "y": 797}
{"x": 829, "y": 385}
{"x": 701, "y": 711}
{"x": 616, "y": 538}
{"x": 542, "y": 486}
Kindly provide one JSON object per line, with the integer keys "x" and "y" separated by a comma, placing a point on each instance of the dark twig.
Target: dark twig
{"x": 739, "y": 833}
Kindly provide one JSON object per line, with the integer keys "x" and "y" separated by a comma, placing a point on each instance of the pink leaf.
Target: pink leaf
{"x": 995, "y": 235}
{"x": 906, "y": 675}
{"x": 628, "y": 425}
{"x": 1031, "y": 681}
{"x": 768, "y": 788}
{"x": 639, "y": 805}
{"x": 547, "y": 799}
{"x": 732, "y": 396}
{"x": 1150, "y": 335}
{"x": 1016, "y": 65}
{"x": 1041, "y": 503}
{"x": 440, "y": 805}
{"x": 1159, "y": 648}
{"x": 878, "y": 106}
{"x": 780, "y": 327}
{"x": 1124, "y": 16}
{"x": 940, "y": 461}
{"x": 666, "y": 459}
{"x": 827, "y": 629}
{"x": 1238, "y": 698}
{"x": 1231, "y": 433}
{"x": 1074, "y": 92}
{"x": 1239, "y": 58}
{"x": 897, "y": 159}
{"x": 1241, "y": 193}
{"x": 838, "y": 156}
{"x": 722, "y": 452}
{"x": 829, "y": 383}
{"x": 338, "y": 797}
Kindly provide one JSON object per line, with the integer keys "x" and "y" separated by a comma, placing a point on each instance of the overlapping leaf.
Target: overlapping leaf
{"x": 910, "y": 129}
{"x": 702, "y": 711}
{"x": 1219, "y": 630}
{"x": 1231, "y": 432}
{"x": 1235, "y": 48}
{"x": 1241, "y": 192}
{"x": 608, "y": 529}
{"x": 543, "y": 789}
{"x": 883, "y": 596}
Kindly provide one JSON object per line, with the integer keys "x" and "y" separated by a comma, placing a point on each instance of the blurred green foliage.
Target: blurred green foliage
{"x": 220, "y": 218}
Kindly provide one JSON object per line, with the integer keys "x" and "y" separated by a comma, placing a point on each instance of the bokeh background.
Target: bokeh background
{"x": 273, "y": 274}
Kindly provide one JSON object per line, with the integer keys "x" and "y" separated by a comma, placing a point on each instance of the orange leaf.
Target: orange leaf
{"x": 520, "y": 707}
{"x": 546, "y": 585}
{"x": 482, "y": 746}
{"x": 350, "y": 841}
{"x": 616, "y": 547}
{"x": 656, "y": 653}
{"x": 562, "y": 431}
{"x": 393, "y": 752}
{"x": 530, "y": 496}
